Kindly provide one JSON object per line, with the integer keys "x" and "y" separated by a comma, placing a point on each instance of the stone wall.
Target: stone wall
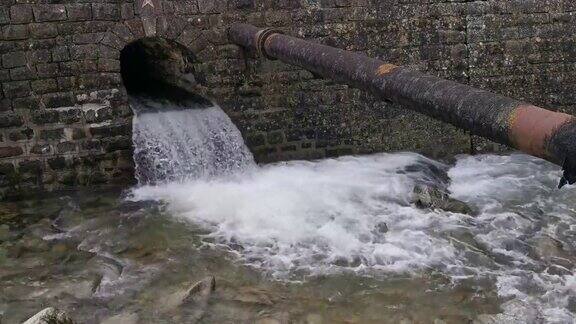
{"x": 64, "y": 118}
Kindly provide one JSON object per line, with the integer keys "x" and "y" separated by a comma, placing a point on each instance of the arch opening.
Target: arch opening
{"x": 164, "y": 69}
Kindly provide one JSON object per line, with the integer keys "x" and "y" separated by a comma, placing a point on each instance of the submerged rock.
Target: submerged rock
{"x": 254, "y": 296}
{"x": 124, "y": 318}
{"x": 198, "y": 292}
{"x": 426, "y": 196}
{"x": 382, "y": 228}
{"x": 49, "y": 315}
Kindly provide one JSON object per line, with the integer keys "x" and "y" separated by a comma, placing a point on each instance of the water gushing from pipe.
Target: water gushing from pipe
{"x": 175, "y": 142}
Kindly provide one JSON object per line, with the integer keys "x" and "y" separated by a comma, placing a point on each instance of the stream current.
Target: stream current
{"x": 328, "y": 241}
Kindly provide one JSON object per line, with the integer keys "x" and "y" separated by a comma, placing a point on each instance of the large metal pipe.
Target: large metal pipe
{"x": 536, "y": 131}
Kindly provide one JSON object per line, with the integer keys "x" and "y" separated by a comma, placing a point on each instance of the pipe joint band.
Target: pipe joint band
{"x": 261, "y": 38}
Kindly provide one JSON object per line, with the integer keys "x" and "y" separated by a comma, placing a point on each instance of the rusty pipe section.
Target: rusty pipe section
{"x": 536, "y": 131}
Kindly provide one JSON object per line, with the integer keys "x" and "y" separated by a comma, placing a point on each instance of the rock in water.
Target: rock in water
{"x": 49, "y": 315}
{"x": 124, "y": 318}
{"x": 426, "y": 196}
{"x": 199, "y": 293}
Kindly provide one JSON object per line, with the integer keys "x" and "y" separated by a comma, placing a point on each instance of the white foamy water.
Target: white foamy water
{"x": 176, "y": 144}
{"x": 354, "y": 214}
{"x": 306, "y": 218}
{"x": 315, "y": 216}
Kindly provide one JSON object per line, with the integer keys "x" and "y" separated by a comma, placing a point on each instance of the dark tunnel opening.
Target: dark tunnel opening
{"x": 160, "y": 68}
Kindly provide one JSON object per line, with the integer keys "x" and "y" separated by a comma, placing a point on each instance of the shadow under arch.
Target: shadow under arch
{"x": 160, "y": 68}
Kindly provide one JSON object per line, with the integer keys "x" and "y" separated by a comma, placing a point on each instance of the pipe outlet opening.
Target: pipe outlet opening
{"x": 162, "y": 69}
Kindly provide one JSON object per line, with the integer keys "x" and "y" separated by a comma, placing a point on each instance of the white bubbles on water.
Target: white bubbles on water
{"x": 316, "y": 217}
{"x": 354, "y": 214}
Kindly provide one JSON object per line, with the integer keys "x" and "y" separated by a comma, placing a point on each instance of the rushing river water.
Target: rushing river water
{"x": 330, "y": 241}
{"x": 302, "y": 241}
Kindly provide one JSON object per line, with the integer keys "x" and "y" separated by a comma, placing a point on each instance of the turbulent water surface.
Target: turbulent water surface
{"x": 330, "y": 241}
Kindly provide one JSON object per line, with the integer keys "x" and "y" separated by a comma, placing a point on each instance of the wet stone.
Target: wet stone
{"x": 10, "y": 151}
{"x": 435, "y": 198}
{"x": 51, "y": 316}
{"x": 198, "y": 292}
{"x": 558, "y": 271}
{"x": 124, "y": 318}
{"x": 382, "y": 227}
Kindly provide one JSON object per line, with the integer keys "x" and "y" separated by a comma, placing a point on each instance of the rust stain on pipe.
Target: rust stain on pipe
{"x": 533, "y": 130}
{"x": 385, "y": 68}
{"x": 531, "y": 127}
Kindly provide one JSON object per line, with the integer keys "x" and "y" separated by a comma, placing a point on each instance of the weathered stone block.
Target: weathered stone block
{"x": 60, "y": 54}
{"x": 107, "y": 65}
{"x": 70, "y": 116}
{"x": 10, "y": 119}
{"x": 105, "y": 11}
{"x": 14, "y": 59}
{"x": 40, "y": 56}
{"x": 4, "y": 15}
{"x": 275, "y": 138}
{"x": 41, "y": 149}
{"x": 67, "y": 83}
{"x": 186, "y": 7}
{"x": 87, "y": 38}
{"x": 21, "y": 135}
{"x": 21, "y": 14}
{"x": 47, "y": 70}
{"x": 255, "y": 140}
{"x": 117, "y": 143}
{"x": 31, "y": 166}
{"x": 74, "y": 68}
{"x": 111, "y": 130}
{"x": 242, "y": 4}
{"x": 92, "y": 145}
{"x": 100, "y": 115}
{"x": 127, "y": 11}
{"x": 43, "y": 30}
{"x": 26, "y": 103}
{"x": 4, "y": 76}
{"x": 7, "y": 171}
{"x": 66, "y": 147}
{"x": 83, "y": 52}
{"x": 57, "y": 163}
{"x": 23, "y": 73}
{"x": 15, "y": 32}
{"x": 10, "y": 151}
{"x": 5, "y": 105}
{"x": 16, "y": 89}
{"x": 44, "y": 86}
{"x": 52, "y": 134}
{"x": 100, "y": 80}
{"x": 136, "y": 27}
{"x": 79, "y": 12}
{"x": 43, "y": 117}
{"x": 56, "y": 100}
{"x": 49, "y": 12}
{"x": 211, "y": 6}
{"x": 78, "y": 133}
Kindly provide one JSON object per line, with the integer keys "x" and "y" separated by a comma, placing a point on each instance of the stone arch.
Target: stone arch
{"x": 166, "y": 27}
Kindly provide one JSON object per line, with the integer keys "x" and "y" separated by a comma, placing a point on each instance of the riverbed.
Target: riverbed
{"x": 330, "y": 241}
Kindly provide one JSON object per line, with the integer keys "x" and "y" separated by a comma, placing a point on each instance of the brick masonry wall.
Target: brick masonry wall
{"x": 65, "y": 121}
